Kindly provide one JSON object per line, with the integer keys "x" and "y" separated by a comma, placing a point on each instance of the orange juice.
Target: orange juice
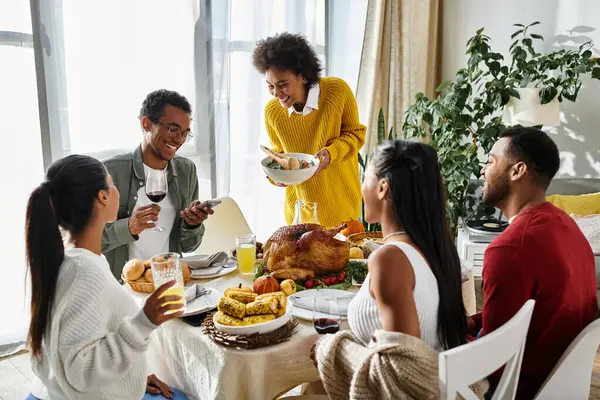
{"x": 246, "y": 257}
{"x": 174, "y": 291}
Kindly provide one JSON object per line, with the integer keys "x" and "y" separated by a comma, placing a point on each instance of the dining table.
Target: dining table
{"x": 188, "y": 359}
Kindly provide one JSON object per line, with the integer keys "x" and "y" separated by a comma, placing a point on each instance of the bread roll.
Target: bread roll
{"x": 133, "y": 269}
{"x": 142, "y": 280}
{"x": 147, "y": 264}
{"x": 148, "y": 276}
{"x": 185, "y": 270}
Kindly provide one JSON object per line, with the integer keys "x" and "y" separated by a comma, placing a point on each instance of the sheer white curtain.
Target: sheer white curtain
{"x": 22, "y": 166}
{"x": 237, "y": 25}
{"x": 239, "y": 129}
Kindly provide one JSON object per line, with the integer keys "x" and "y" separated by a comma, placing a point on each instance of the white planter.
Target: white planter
{"x": 529, "y": 111}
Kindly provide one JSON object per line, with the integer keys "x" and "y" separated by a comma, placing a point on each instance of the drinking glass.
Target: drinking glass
{"x": 305, "y": 212}
{"x": 156, "y": 190}
{"x": 326, "y": 314}
{"x": 165, "y": 268}
{"x": 246, "y": 253}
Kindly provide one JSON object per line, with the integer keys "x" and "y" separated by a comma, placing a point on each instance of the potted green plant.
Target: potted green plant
{"x": 465, "y": 119}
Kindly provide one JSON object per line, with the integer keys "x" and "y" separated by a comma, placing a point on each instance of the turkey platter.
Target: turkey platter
{"x": 303, "y": 251}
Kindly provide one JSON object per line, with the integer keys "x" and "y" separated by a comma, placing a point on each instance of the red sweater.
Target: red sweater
{"x": 542, "y": 255}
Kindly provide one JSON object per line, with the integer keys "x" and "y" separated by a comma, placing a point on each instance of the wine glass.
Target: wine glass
{"x": 326, "y": 314}
{"x": 156, "y": 190}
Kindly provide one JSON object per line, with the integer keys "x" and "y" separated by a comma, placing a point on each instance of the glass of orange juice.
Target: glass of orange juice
{"x": 246, "y": 253}
{"x": 165, "y": 268}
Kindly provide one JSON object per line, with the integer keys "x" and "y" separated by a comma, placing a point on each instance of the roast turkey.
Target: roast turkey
{"x": 303, "y": 251}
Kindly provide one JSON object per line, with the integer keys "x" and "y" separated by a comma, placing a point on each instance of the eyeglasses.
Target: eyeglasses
{"x": 175, "y": 131}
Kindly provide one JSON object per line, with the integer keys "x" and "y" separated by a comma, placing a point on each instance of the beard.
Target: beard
{"x": 496, "y": 192}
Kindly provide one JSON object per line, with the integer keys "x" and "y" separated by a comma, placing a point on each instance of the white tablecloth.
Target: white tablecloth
{"x": 204, "y": 370}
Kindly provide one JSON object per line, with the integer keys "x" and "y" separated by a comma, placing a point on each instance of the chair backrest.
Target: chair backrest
{"x": 572, "y": 375}
{"x": 461, "y": 366}
{"x": 222, "y": 227}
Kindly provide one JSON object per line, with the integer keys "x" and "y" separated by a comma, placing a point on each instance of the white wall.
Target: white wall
{"x": 564, "y": 23}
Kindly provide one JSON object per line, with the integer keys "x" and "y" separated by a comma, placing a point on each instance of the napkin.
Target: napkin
{"x": 194, "y": 291}
{"x": 205, "y": 260}
{"x": 307, "y": 303}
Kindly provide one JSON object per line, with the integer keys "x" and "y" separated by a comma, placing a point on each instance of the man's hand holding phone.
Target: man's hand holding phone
{"x": 197, "y": 212}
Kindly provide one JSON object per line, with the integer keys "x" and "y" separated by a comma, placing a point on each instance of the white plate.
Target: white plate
{"x": 222, "y": 272}
{"x": 307, "y": 315}
{"x": 203, "y": 303}
{"x": 265, "y": 327}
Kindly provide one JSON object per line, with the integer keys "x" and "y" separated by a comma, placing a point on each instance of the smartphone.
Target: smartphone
{"x": 209, "y": 203}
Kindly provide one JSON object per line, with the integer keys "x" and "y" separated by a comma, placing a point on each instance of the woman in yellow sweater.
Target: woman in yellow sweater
{"x": 312, "y": 115}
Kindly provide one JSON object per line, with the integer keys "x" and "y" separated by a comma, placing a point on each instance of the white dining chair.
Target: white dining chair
{"x": 572, "y": 375}
{"x": 222, "y": 227}
{"x": 464, "y": 365}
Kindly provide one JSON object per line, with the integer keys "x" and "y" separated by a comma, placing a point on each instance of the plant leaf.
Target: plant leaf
{"x": 533, "y": 24}
{"x": 514, "y": 35}
{"x": 596, "y": 73}
{"x": 513, "y": 92}
{"x": 536, "y": 36}
{"x": 380, "y": 127}
{"x": 521, "y": 25}
{"x": 443, "y": 86}
{"x": 547, "y": 94}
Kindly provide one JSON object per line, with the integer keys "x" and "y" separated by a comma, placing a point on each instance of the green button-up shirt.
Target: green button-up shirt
{"x": 127, "y": 171}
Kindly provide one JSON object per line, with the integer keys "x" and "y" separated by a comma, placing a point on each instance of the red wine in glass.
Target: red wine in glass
{"x": 156, "y": 197}
{"x": 326, "y": 325}
{"x": 156, "y": 190}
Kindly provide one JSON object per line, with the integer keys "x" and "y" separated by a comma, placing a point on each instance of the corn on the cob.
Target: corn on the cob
{"x": 241, "y": 296}
{"x": 280, "y": 296}
{"x": 232, "y": 307}
{"x": 258, "y": 319}
{"x": 262, "y": 306}
{"x": 225, "y": 319}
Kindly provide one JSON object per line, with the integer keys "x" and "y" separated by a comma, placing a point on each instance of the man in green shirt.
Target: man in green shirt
{"x": 165, "y": 119}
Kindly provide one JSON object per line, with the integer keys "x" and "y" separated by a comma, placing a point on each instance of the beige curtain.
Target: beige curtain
{"x": 401, "y": 57}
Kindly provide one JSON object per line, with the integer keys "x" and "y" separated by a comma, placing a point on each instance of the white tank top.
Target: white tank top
{"x": 364, "y": 317}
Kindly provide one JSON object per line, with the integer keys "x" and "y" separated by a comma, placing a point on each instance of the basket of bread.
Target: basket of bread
{"x": 260, "y": 309}
{"x": 138, "y": 275}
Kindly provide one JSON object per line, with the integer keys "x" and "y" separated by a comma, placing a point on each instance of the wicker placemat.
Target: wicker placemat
{"x": 254, "y": 341}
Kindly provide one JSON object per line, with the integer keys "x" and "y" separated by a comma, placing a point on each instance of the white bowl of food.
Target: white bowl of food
{"x": 308, "y": 167}
{"x": 264, "y": 327}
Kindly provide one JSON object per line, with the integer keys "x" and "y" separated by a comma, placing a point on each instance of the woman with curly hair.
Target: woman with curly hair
{"x": 313, "y": 115}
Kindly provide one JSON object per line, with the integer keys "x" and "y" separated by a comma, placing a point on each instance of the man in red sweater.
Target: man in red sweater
{"x": 542, "y": 255}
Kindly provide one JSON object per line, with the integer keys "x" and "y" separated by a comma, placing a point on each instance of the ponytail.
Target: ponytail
{"x": 45, "y": 253}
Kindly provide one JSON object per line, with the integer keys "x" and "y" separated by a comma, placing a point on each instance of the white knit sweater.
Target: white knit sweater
{"x": 94, "y": 347}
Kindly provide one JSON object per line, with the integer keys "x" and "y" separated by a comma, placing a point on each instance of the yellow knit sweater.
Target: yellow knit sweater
{"x": 334, "y": 126}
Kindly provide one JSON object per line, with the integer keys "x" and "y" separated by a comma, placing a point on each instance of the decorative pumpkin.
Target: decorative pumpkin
{"x": 353, "y": 227}
{"x": 288, "y": 287}
{"x": 265, "y": 284}
{"x": 239, "y": 288}
{"x": 356, "y": 253}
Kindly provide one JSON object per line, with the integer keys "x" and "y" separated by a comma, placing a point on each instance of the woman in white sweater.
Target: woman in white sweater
{"x": 414, "y": 280}
{"x": 87, "y": 335}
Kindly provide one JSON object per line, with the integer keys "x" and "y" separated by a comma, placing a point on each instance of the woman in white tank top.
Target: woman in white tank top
{"x": 414, "y": 280}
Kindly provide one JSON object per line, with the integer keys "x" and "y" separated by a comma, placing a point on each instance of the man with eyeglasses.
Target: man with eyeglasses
{"x": 165, "y": 119}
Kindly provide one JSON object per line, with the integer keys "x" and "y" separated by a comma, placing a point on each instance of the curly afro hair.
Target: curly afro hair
{"x": 155, "y": 103}
{"x": 288, "y": 52}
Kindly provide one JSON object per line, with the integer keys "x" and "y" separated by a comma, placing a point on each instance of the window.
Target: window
{"x": 22, "y": 167}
